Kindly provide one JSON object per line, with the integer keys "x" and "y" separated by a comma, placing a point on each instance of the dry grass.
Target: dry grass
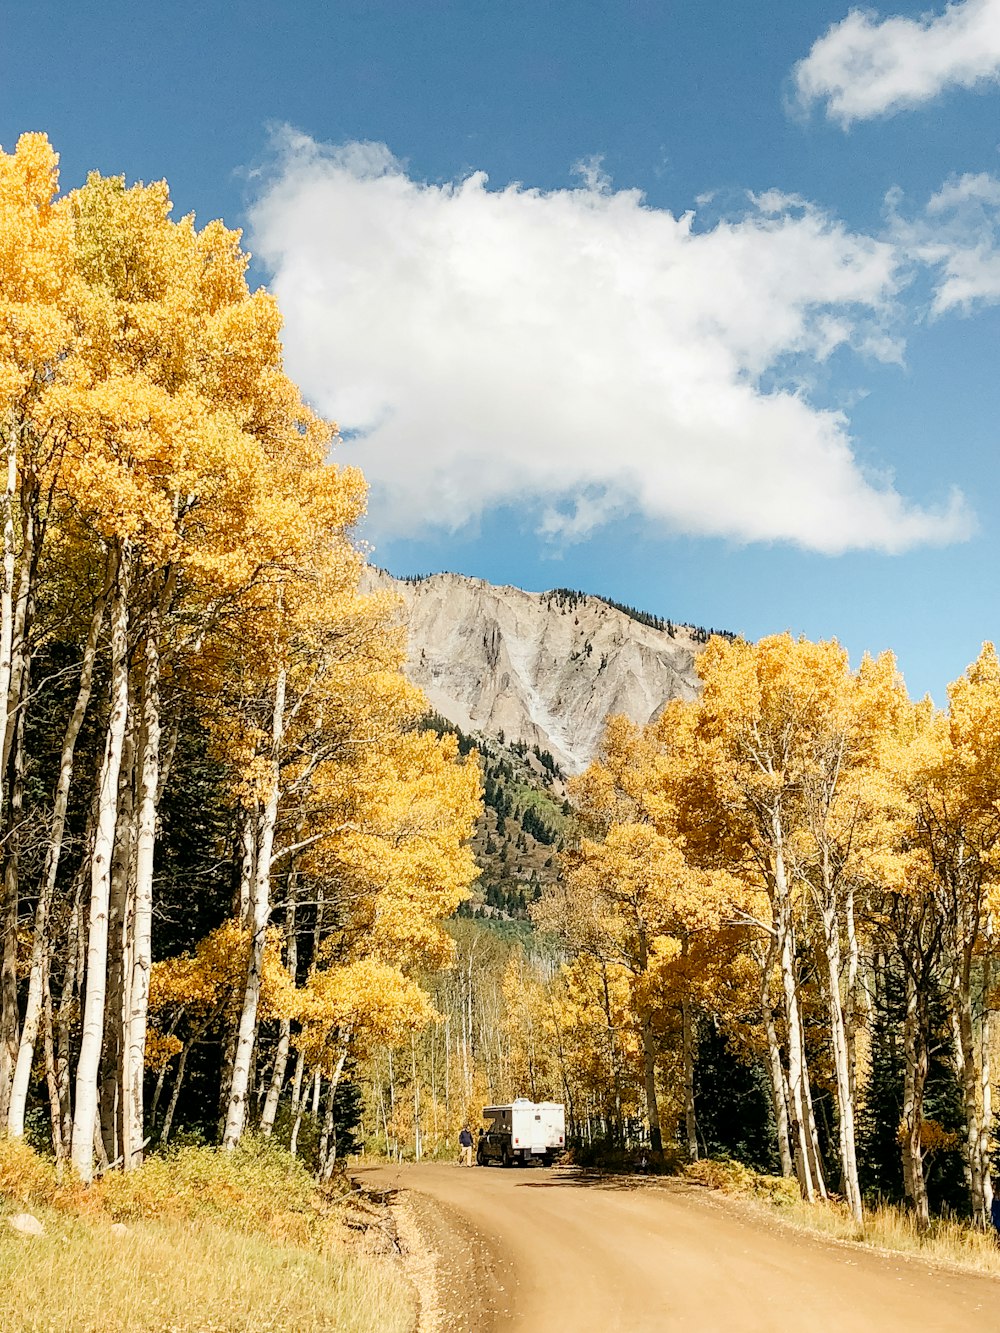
{"x": 216, "y": 1243}
{"x": 885, "y": 1228}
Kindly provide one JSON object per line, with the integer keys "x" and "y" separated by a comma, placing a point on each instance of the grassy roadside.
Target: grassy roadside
{"x": 885, "y": 1228}
{"x": 214, "y": 1243}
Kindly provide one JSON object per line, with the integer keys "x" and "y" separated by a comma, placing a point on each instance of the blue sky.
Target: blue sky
{"x": 760, "y": 420}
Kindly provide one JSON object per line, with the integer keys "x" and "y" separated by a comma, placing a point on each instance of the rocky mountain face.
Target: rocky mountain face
{"x": 543, "y": 669}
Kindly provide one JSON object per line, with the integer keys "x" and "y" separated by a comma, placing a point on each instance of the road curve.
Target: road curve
{"x": 548, "y": 1251}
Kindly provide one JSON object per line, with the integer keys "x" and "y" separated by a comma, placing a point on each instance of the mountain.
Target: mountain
{"x": 541, "y": 669}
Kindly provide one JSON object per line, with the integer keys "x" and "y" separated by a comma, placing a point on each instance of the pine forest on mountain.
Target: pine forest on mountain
{"x": 252, "y": 885}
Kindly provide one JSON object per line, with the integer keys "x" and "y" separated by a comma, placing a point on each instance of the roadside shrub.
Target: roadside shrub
{"x": 251, "y": 1189}
{"x": 25, "y": 1177}
{"x": 722, "y": 1173}
{"x": 256, "y": 1188}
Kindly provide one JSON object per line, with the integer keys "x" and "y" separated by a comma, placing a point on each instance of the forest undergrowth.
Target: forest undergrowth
{"x": 214, "y": 1243}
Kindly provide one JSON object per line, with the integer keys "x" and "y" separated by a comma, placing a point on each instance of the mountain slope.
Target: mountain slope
{"x": 544, "y": 669}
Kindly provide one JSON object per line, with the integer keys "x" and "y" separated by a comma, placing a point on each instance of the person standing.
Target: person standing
{"x": 465, "y": 1143}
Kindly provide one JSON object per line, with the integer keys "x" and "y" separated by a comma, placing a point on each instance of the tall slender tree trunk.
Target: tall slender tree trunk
{"x": 649, "y": 1084}
{"x": 779, "y": 1083}
{"x": 689, "y": 1040}
{"x": 11, "y": 890}
{"x": 815, "y": 1157}
{"x": 841, "y": 1063}
{"x": 285, "y": 1031}
{"x": 986, "y": 1087}
{"x": 914, "y": 1080}
{"x": 9, "y": 907}
{"x": 120, "y": 907}
{"x": 175, "y": 1091}
{"x": 137, "y": 979}
{"x": 799, "y": 1129}
{"x": 248, "y": 861}
{"x": 851, "y": 1006}
{"x": 260, "y": 914}
{"x": 969, "y": 1052}
{"x": 328, "y": 1141}
{"x": 14, "y": 702}
{"x": 7, "y": 571}
{"x": 57, "y": 828}
{"x": 417, "y": 1141}
{"x": 297, "y": 1101}
{"x": 68, "y": 998}
{"x": 88, "y": 1066}
{"x": 51, "y": 1075}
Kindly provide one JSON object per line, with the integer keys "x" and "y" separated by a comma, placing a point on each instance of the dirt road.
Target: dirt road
{"x": 554, "y": 1251}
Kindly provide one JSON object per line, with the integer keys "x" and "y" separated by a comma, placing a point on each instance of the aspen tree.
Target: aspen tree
{"x": 88, "y": 1064}
{"x": 35, "y": 339}
{"x": 40, "y": 942}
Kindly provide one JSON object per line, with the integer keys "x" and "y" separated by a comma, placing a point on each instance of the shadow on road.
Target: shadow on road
{"x": 577, "y": 1177}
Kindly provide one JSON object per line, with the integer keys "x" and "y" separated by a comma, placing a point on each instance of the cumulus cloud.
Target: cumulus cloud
{"x": 581, "y": 353}
{"x": 959, "y": 236}
{"x": 867, "y": 66}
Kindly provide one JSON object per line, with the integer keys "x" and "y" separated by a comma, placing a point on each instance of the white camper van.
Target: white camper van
{"x": 524, "y": 1131}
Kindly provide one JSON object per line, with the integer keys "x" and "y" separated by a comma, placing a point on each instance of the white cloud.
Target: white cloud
{"x": 867, "y": 66}
{"x": 581, "y": 353}
{"x": 958, "y": 238}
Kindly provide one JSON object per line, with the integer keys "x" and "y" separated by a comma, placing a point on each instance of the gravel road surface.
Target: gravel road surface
{"x": 561, "y": 1251}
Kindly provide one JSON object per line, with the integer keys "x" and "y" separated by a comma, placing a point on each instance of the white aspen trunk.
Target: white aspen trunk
{"x": 119, "y": 938}
{"x": 67, "y": 1002}
{"x": 986, "y": 1099}
{"x": 261, "y": 913}
{"x": 435, "y": 1101}
{"x": 779, "y": 1083}
{"x": 51, "y": 1076}
{"x": 285, "y": 1033}
{"x": 57, "y": 828}
{"x": 382, "y": 1111}
{"x": 23, "y": 615}
{"x": 328, "y": 1151}
{"x": 7, "y": 591}
{"x": 297, "y": 1102}
{"x": 88, "y": 1066}
{"x": 799, "y": 1128}
{"x": 416, "y": 1098}
{"x": 968, "y": 1072}
{"x": 392, "y": 1100}
{"x": 8, "y": 924}
{"x": 447, "y": 1079}
{"x": 845, "y": 1093}
{"x": 815, "y": 1160}
{"x": 851, "y": 995}
{"x": 9, "y": 1026}
{"x": 689, "y": 1041}
{"x": 249, "y": 820}
{"x": 277, "y": 1081}
{"x": 914, "y": 1077}
{"x": 137, "y": 977}
{"x": 248, "y": 861}
{"x": 325, "y": 1132}
{"x": 649, "y": 1083}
